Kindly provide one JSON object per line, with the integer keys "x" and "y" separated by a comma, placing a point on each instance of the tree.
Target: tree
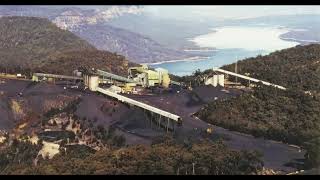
{"x": 312, "y": 156}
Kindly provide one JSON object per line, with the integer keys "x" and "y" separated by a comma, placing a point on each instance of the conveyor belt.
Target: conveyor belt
{"x": 140, "y": 104}
{"x": 57, "y": 76}
{"x": 248, "y": 78}
{"x": 114, "y": 76}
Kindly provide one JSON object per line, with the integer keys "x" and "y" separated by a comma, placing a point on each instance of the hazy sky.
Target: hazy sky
{"x": 218, "y": 12}
{"x": 229, "y": 12}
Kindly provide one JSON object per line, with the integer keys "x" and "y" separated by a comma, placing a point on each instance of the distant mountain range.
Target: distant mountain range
{"x": 144, "y": 38}
{"x": 91, "y": 25}
{"x": 136, "y": 47}
{"x": 169, "y": 32}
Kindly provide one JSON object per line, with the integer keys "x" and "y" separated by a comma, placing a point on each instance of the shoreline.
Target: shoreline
{"x": 194, "y": 58}
{"x": 275, "y": 32}
{"x": 299, "y": 40}
{"x": 214, "y": 49}
{"x": 200, "y": 50}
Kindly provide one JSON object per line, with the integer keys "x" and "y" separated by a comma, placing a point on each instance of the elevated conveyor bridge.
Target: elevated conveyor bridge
{"x": 162, "y": 116}
{"x": 105, "y": 74}
{"x": 36, "y": 76}
{"x": 248, "y": 78}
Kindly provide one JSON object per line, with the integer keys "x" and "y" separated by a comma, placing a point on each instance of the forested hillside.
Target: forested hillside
{"x": 66, "y": 62}
{"x": 291, "y": 116}
{"x": 297, "y": 67}
{"x": 163, "y": 158}
{"x": 35, "y": 44}
{"x": 288, "y": 116}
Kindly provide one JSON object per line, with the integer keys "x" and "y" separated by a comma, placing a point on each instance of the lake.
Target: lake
{"x": 232, "y": 44}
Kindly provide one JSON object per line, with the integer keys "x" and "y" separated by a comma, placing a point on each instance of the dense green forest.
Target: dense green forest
{"x": 30, "y": 44}
{"x": 289, "y": 116}
{"x": 164, "y": 157}
{"x": 107, "y": 61}
{"x": 297, "y": 67}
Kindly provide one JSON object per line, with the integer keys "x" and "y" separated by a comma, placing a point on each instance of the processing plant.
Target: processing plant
{"x": 149, "y": 78}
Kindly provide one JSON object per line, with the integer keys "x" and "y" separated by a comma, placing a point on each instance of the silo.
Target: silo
{"x": 215, "y": 80}
{"x": 221, "y": 80}
{"x": 93, "y": 82}
{"x": 163, "y": 77}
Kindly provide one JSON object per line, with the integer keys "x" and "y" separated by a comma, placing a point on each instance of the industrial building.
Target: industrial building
{"x": 149, "y": 78}
{"x": 215, "y": 80}
{"x": 91, "y": 81}
{"x": 138, "y": 77}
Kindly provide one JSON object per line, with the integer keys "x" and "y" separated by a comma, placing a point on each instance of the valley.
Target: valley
{"x": 123, "y": 90}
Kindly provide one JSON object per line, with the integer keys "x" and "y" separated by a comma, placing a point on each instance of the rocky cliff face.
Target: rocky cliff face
{"x": 72, "y": 18}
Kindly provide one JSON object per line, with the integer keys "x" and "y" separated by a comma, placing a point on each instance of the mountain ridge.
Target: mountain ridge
{"x": 33, "y": 44}
{"x": 75, "y": 18}
{"x": 136, "y": 47}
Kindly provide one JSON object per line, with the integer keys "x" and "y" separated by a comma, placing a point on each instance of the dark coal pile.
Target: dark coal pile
{"x": 6, "y": 121}
{"x": 210, "y": 93}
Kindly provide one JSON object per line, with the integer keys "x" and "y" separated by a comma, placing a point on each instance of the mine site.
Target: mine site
{"x": 141, "y": 107}
{"x": 159, "y": 90}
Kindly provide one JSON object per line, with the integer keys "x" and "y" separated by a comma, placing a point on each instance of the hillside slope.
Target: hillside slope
{"x": 135, "y": 47}
{"x": 28, "y": 40}
{"x": 36, "y": 44}
{"x": 297, "y": 67}
{"x": 290, "y": 116}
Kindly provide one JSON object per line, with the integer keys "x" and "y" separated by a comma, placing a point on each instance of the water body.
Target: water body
{"x": 232, "y": 43}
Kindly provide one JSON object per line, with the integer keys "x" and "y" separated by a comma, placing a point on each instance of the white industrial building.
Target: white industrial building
{"x": 215, "y": 80}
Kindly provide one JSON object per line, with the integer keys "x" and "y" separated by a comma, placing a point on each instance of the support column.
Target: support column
{"x": 151, "y": 120}
{"x": 159, "y": 121}
{"x": 146, "y": 116}
{"x": 173, "y": 127}
{"x": 168, "y": 125}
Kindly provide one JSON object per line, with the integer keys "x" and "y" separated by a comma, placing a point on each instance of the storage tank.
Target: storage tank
{"x": 215, "y": 80}
{"x": 221, "y": 80}
{"x": 93, "y": 83}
